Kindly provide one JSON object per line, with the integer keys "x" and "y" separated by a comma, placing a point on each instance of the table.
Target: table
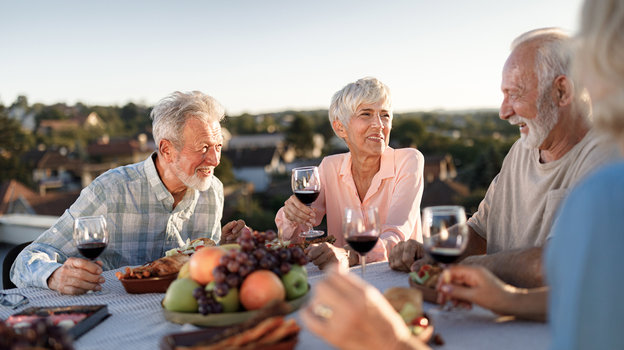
{"x": 137, "y": 322}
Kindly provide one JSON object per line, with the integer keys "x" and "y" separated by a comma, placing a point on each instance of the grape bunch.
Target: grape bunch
{"x": 207, "y": 302}
{"x": 258, "y": 251}
{"x": 41, "y": 334}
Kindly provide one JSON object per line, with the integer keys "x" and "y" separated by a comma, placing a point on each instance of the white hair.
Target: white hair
{"x": 367, "y": 90}
{"x": 169, "y": 116}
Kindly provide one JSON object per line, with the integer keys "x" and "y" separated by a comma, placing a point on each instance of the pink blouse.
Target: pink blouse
{"x": 396, "y": 190}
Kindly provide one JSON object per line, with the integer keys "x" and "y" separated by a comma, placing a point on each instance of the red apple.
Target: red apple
{"x": 260, "y": 288}
{"x": 203, "y": 262}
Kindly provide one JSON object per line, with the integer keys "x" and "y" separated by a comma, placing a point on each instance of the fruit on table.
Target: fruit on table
{"x": 230, "y": 246}
{"x": 295, "y": 282}
{"x": 203, "y": 262}
{"x": 260, "y": 288}
{"x": 229, "y": 302}
{"x": 184, "y": 270}
{"x": 179, "y": 296}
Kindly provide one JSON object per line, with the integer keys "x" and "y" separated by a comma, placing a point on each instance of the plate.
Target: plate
{"x": 224, "y": 319}
{"x": 94, "y": 315}
{"x": 148, "y": 285}
{"x": 429, "y": 294}
{"x": 189, "y": 339}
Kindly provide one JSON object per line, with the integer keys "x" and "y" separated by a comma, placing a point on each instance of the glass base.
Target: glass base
{"x": 312, "y": 233}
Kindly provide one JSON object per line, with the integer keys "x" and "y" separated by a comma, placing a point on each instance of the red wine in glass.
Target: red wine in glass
{"x": 362, "y": 244}
{"x": 91, "y": 237}
{"x": 307, "y": 197}
{"x": 444, "y": 255}
{"x": 361, "y": 228}
{"x": 91, "y": 250}
{"x": 306, "y": 185}
{"x": 445, "y": 234}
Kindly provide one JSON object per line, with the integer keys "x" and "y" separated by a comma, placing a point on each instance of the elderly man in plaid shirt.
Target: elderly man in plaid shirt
{"x": 150, "y": 207}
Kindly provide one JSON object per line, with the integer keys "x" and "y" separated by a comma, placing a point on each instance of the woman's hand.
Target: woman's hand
{"x": 77, "y": 276}
{"x": 475, "y": 284}
{"x": 298, "y": 212}
{"x": 326, "y": 254}
{"x": 351, "y": 314}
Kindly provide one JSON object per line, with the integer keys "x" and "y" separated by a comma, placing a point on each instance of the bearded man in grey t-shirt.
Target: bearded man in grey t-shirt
{"x": 556, "y": 149}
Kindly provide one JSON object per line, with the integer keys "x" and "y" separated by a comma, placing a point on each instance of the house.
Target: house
{"x": 443, "y": 192}
{"x": 54, "y": 169}
{"x": 439, "y": 167}
{"x": 16, "y": 198}
{"x": 24, "y": 116}
{"x": 256, "y": 157}
{"x": 90, "y": 121}
{"x": 121, "y": 151}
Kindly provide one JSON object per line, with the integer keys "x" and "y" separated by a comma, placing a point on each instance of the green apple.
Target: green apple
{"x": 179, "y": 296}
{"x": 295, "y": 282}
{"x": 229, "y": 302}
{"x": 299, "y": 268}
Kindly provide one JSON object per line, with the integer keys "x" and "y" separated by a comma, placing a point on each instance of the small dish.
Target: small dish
{"x": 429, "y": 294}
{"x": 224, "y": 319}
{"x": 148, "y": 285}
{"x": 83, "y": 317}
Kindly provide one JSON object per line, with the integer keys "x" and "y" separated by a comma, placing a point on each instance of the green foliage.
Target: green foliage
{"x": 13, "y": 142}
{"x": 224, "y": 171}
{"x": 408, "y": 132}
{"x": 300, "y": 135}
{"x": 254, "y": 215}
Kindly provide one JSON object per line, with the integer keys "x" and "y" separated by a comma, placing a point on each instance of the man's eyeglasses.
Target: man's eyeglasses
{"x": 13, "y": 300}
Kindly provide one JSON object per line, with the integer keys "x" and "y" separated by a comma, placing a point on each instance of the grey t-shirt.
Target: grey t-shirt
{"x": 520, "y": 205}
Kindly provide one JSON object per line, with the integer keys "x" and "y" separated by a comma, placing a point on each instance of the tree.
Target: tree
{"x": 300, "y": 135}
{"x": 408, "y": 132}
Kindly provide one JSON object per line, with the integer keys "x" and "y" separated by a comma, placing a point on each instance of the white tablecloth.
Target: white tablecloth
{"x": 137, "y": 322}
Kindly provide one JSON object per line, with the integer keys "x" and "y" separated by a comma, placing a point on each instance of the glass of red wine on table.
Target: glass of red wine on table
{"x": 306, "y": 185}
{"x": 361, "y": 228}
{"x": 445, "y": 234}
{"x": 91, "y": 237}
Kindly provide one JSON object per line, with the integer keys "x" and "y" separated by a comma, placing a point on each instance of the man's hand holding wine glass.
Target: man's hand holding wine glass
{"x": 79, "y": 276}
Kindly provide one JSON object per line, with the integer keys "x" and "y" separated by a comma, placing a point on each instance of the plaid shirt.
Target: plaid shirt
{"x": 141, "y": 222}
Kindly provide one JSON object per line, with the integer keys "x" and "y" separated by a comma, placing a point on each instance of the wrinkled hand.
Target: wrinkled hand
{"x": 404, "y": 253}
{"x": 361, "y": 318}
{"x": 77, "y": 276}
{"x": 473, "y": 285}
{"x": 325, "y": 254}
{"x": 231, "y": 231}
{"x": 298, "y": 212}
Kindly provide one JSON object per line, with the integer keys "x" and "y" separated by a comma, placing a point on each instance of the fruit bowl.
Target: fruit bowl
{"x": 223, "y": 319}
{"x": 148, "y": 285}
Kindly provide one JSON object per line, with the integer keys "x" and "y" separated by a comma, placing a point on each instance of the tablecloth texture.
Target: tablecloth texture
{"x": 137, "y": 321}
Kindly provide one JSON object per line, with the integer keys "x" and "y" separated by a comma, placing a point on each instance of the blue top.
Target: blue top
{"x": 584, "y": 265}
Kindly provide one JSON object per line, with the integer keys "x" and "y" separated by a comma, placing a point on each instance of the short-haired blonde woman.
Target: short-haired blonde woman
{"x": 371, "y": 174}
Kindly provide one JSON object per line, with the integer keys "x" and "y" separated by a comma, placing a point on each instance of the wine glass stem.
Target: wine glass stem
{"x": 363, "y": 265}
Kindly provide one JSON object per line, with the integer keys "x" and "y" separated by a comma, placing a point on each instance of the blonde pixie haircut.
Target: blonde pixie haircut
{"x": 364, "y": 91}
{"x": 600, "y": 57}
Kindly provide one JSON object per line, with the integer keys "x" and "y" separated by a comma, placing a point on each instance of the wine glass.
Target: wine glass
{"x": 90, "y": 236}
{"x": 445, "y": 234}
{"x": 306, "y": 185}
{"x": 361, "y": 228}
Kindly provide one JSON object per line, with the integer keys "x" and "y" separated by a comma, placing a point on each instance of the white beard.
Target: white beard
{"x": 541, "y": 126}
{"x": 194, "y": 181}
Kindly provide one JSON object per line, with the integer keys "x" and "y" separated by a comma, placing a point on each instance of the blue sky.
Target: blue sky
{"x": 261, "y": 56}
